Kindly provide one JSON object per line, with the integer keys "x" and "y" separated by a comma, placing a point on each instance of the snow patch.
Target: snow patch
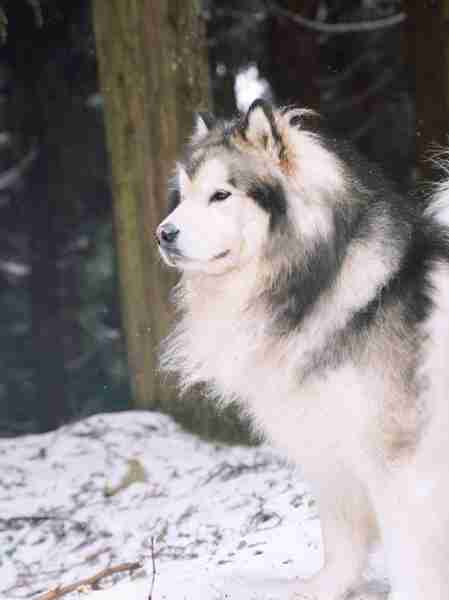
{"x": 116, "y": 488}
{"x": 214, "y": 521}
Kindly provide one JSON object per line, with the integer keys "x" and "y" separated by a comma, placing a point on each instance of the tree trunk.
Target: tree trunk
{"x": 428, "y": 56}
{"x": 153, "y": 72}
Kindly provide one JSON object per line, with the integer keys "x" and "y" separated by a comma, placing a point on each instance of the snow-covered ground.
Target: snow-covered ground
{"x": 206, "y": 521}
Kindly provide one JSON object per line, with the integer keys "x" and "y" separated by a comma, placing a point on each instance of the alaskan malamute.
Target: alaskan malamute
{"x": 318, "y": 297}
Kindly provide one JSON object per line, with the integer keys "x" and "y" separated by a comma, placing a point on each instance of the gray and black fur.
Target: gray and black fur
{"x": 294, "y": 292}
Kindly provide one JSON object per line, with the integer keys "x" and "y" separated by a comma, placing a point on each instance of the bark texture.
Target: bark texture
{"x": 153, "y": 72}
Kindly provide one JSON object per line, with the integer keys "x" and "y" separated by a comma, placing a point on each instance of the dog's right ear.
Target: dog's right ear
{"x": 204, "y": 121}
{"x": 259, "y": 128}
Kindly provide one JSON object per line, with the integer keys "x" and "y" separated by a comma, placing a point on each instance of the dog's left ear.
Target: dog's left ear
{"x": 204, "y": 121}
{"x": 259, "y": 128}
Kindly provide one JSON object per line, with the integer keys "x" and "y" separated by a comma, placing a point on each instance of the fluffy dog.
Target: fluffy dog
{"x": 318, "y": 297}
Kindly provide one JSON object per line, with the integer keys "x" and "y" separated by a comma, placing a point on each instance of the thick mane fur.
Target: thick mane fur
{"x": 333, "y": 265}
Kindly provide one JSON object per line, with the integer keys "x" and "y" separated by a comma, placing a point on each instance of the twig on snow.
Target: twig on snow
{"x": 9, "y": 522}
{"x": 60, "y": 591}
{"x": 153, "y": 574}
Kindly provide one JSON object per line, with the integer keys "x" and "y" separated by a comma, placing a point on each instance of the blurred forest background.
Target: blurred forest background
{"x": 79, "y": 77}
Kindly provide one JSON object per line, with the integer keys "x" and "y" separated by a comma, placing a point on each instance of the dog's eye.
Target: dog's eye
{"x": 219, "y": 196}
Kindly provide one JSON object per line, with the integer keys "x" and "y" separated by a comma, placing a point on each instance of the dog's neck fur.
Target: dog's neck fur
{"x": 223, "y": 334}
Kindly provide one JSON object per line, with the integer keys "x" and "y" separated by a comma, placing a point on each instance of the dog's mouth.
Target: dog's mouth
{"x": 175, "y": 258}
{"x": 171, "y": 256}
{"x": 221, "y": 255}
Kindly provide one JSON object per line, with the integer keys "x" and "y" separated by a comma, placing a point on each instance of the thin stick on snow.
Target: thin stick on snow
{"x": 36, "y": 519}
{"x": 153, "y": 575}
{"x": 60, "y": 591}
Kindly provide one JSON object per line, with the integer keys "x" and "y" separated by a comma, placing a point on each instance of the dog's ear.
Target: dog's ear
{"x": 204, "y": 121}
{"x": 184, "y": 181}
{"x": 259, "y": 128}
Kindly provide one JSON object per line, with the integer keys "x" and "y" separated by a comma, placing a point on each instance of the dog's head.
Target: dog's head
{"x": 234, "y": 189}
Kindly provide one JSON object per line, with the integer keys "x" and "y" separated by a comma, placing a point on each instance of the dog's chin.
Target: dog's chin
{"x": 215, "y": 265}
{"x": 168, "y": 258}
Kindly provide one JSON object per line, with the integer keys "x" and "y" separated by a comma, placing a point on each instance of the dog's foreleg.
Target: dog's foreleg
{"x": 414, "y": 521}
{"x": 348, "y": 530}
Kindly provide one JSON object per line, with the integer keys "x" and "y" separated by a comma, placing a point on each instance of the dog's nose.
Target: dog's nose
{"x": 167, "y": 233}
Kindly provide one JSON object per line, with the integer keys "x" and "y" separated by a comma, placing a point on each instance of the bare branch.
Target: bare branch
{"x": 341, "y": 28}
{"x": 37, "y": 9}
{"x": 11, "y": 176}
{"x": 153, "y": 575}
{"x": 3, "y": 25}
{"x": 314, "y": 25}
{"x": 10, "y": 522}
{"x": 368, "y": 57}
{"x": 60, "y": 591}
{"x": 382, "y": 81}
